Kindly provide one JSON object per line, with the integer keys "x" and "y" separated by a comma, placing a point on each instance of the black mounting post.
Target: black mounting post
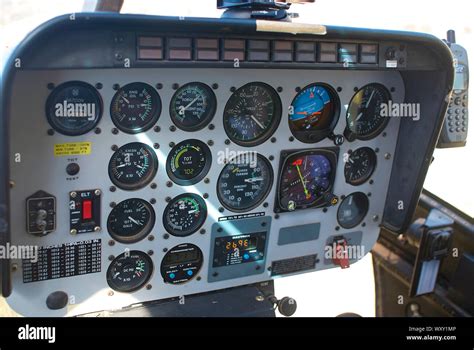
{"x": 257, "y": 9}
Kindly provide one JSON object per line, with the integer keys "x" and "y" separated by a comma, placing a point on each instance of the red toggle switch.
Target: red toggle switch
{"x": 341, "y": 255}
{"x": 87, "y": 210}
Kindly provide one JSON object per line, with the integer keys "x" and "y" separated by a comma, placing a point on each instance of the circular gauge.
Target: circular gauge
{"x": 252, "y": 114}
{"x": 133, "y": 166}
{"x": 245, "y": 182}
{"x": 188, "y": 162}
{"x": 131, "y": 220}
{"x": 74, "y": 108}
{"x": 314, "y": 113}
{"x": 305, "y": 178}
{"x": 364, "y": 117}
{"x": 135, "y": 108}
{"x": 352, "y": 210}
{"x": 360, "y": 166}
{"x": 184, "y": 214}
{"x": 181, "y": 263}
{"x": 193, "y": 106}
{"x": 129, "y": 271}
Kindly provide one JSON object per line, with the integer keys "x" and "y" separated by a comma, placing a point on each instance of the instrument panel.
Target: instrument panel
{"x": 188, "y": 181}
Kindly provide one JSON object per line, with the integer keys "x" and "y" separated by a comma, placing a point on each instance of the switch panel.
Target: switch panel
{"x": 41, "y": 213}
{"x": 84, "y": 211}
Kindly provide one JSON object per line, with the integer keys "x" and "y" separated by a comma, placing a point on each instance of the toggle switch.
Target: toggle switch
{"x": 341, "y": 255}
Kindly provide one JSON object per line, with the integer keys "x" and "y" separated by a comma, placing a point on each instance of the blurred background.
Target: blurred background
{"x": 334, "y": 291}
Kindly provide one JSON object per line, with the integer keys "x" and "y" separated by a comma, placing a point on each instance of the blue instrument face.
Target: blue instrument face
{"x": 305, "y": 177}
{"x": 314, "y": 113}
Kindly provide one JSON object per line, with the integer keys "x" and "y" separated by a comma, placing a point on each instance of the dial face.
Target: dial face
{"x": 133, "y": 166}
{"x": 129, "y": 271}
{"x": 252, "y": 114}
{"x": 135, "y": 108}
{"x": 193, "y": 106}
{"x": 131, "y": 220}
{"x": 184, "y": 214}
{"x": 352, "y": 210}
{"x": 360, "y": 166}
{"x": 314, "y": 113}
{"x": 188, "y": 162}
{"x": 245, "y": 182}
{"x": 304, "y": 179}
{"x": 181, "y": 263}
{"x": 363, "y": 117}
{"x": 74, "y": 108}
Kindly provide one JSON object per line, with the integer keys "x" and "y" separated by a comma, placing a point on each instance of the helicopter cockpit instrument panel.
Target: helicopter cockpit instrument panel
{"x": 155, "y": 157}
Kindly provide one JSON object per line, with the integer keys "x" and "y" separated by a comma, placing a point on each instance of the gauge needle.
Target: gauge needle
{"x": 256, "y": 121}
{"x": 192, "y": 211}
{"x": 191, "y": 103}
{"x": 303, "y": 182}
{"x": 359, "y": 115}
{"x": 116, "y": 274}
{"x": 123, "y": 98}
{"x": 370, "y": 99}
{"x": 253, "y": 179}
{"x": 134, "y": 221}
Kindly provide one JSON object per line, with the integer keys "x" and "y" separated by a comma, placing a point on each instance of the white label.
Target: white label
{"x": 391, "y": 63}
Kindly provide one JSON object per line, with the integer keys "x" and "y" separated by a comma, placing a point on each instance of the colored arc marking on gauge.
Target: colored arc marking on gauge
{"x": 297, "y": 163}
{"x": 178, "y": 157}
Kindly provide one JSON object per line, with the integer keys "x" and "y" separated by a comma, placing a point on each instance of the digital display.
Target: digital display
{"x": 239, "y": 249}
{"x": 181, "y": 257}
{"x": 241, "y": 243}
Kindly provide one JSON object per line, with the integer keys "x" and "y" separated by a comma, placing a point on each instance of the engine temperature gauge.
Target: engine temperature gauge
{"x": 129, "y": 271}
{"x": 188, "y": 162}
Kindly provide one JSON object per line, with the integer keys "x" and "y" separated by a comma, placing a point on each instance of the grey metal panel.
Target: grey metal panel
{"x": 298, "y": 233}
{"x": 39, "y": 169}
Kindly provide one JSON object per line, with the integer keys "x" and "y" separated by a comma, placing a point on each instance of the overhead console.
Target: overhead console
{"x": 153, "y": 157}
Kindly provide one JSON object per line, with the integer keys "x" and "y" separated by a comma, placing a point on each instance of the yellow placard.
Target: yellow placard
{"x": 72, "y": 149}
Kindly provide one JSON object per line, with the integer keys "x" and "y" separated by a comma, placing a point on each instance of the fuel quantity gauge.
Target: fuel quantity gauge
{"x": 131, "y": 220}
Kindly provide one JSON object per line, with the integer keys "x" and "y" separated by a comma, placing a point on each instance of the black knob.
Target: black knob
{"x": 286, "y": 305}
{"x": 73, "y": 169}
{"x": 57, "y": 300}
